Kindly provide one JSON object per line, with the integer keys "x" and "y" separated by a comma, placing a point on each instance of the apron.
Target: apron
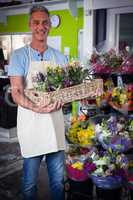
{"x": 39, "y": 133}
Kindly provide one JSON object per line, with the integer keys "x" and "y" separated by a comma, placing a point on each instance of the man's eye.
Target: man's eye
{"x": 45, "y": 23}
{"x": 41, "y": 23}
{"x": 36, "y": 22}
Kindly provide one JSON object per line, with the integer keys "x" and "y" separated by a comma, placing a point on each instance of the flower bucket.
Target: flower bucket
{"x": 108, "y": 182}
{"x": 130, "y": 178}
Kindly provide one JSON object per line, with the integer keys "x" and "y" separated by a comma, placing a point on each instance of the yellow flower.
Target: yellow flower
{"x": 74, "y": 63}
{"x": 78, "y": 165}
{"x": 85, "y": 136}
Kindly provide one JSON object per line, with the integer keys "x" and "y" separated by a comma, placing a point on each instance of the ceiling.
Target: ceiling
{"x": 7, "y": 3}
{"x": 26, "y": 1}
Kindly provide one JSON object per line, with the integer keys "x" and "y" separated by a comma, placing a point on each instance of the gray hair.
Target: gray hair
{"x": 36, "y": 8}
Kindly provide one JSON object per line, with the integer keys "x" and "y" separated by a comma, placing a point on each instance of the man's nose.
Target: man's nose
{"x": 43, "y": 25}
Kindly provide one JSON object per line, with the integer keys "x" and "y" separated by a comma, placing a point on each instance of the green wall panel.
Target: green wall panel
{"x": 16, "y": 23}
{"x": 68, "y": 29}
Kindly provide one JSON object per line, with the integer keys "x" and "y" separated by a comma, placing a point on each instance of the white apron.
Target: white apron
{"x": 39, "y": 133}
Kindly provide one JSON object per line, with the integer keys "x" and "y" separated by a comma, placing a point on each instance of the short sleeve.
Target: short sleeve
{"x": 16, "y": 65}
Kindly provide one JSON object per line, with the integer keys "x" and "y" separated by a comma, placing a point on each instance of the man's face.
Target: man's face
{"x": 39, "y": 25}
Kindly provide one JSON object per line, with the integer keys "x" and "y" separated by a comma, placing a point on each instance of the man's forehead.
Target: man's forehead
{"x": 39, "y": 14}
{"x": 40, "y": 20}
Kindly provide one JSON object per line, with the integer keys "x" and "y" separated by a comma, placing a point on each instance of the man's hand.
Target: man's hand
{"x": 48, "y": 108}
{"x": 17, "y": 84}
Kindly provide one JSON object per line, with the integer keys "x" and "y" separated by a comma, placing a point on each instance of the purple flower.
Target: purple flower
{"x": 89, "y": 167}
{"x": 121, "y": 172}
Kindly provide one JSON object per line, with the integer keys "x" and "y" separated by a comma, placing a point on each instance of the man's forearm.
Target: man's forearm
{"x": 20, "y": 99}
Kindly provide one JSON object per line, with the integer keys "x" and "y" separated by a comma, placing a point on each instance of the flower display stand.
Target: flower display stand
{"x": 108, "y": 194}
{"x": 111, "y": 164}
{"x": 80, "y": 190}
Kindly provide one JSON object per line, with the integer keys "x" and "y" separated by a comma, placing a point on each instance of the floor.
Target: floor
{"x": 10, "y": 174}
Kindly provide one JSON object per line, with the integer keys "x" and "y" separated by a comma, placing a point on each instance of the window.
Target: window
{"x": 120, "y": 27}
{"x": 11, "y": 42}
{"x": 126, "y": 30}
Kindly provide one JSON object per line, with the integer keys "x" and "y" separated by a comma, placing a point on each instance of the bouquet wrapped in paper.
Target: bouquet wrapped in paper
{"x": 106, "y": 62}
{"x": 114, "y": 133}
{"x": 111, "y": 61}
{"x": 127, "y": 65}
{"x": 111, "y": 169}
{"x": 81, "y": 133}
{"x": 78, "y": 163}
{"x": 67, "y": 84}
{"x": 121, "y": 98}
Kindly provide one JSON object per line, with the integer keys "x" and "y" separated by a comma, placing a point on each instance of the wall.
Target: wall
{"x": 68, "y": 29}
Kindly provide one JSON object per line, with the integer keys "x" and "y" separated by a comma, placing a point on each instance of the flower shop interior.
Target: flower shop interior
{"x": 97, "y": 38}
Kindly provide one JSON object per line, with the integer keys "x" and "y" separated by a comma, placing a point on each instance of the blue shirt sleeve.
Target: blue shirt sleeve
{"x": 16, "y": 65}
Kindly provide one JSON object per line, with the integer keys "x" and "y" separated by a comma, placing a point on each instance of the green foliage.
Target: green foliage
{"x": 61, "y": 77}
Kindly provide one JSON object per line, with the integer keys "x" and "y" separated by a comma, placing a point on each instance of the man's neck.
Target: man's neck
{"x": 39, "y": 46}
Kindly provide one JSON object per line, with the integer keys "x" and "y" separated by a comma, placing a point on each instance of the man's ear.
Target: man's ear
{"x": 29, "y": 23}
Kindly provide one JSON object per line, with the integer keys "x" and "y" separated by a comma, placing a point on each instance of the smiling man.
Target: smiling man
{"x": 40, "y": 127}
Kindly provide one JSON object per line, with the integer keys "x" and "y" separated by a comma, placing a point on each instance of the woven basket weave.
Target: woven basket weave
{"x": 87, "y": 89}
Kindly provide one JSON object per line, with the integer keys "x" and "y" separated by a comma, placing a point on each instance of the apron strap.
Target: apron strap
{"x": 29, "y": 56}
{"x": 29, "y": 53}
{"x": 53, "y": 59}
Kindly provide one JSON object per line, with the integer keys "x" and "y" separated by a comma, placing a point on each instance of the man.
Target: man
{"x": 40, "y": 127}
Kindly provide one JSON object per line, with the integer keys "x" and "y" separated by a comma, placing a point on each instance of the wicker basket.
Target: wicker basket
{"x": 87, "y": 89}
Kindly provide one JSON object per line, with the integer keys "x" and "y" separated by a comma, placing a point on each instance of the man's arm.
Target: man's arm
{"x": 17, "y": 91}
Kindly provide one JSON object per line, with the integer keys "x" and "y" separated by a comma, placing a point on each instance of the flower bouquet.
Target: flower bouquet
{"x": 113, "y": 133}
{"x": 63, "y": 83}
{"x": 122, "y": 98}
{"x": 110, "y": 169}
{"x": 111, "y": 61}
{"x": 104, "y": 99}
{"x": 106, "y": 62}
{"x": 130, "y": 126}
{"x": 81, "y": 133}
{"x": 127, "y": 65}
{"x": 78, "y": 163}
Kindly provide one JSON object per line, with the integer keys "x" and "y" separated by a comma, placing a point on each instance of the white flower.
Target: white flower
{"x": 101, "y": 161}
{"x": 119, "y": 127}
{"x": 98, "y": 128}
{"x": 99, "y": 171}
